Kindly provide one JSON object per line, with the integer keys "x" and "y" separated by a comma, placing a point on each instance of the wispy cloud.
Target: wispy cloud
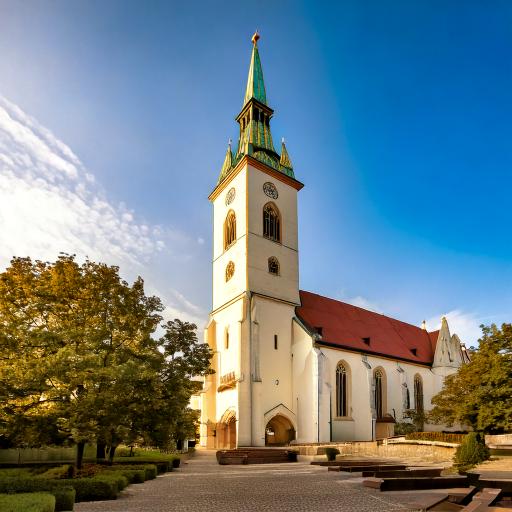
{"x": 360, "y": 301}
{"x": 49, "y": 203}
{"x": 465, "y": 325}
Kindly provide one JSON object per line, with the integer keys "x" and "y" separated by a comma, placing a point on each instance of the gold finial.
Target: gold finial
{"x": 255, "y": 38}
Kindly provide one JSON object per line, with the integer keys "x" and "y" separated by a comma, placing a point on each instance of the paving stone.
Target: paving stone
{"x": 203, "y": 485}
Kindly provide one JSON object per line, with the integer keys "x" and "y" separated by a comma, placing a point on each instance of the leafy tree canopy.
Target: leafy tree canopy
{"x": 79, "y": 356}
{"x": 479, "y": 394}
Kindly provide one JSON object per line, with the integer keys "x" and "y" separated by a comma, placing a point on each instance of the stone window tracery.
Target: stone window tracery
{"x": 271, "y": 222}
{"x": 378, "y": 378}
{"x": 341, "y": 390}
{"x": 418, "y": 393}
{"x": 230, "y": 270}
{"x": 273, "y": 265}
{"x": 229, "y": 229}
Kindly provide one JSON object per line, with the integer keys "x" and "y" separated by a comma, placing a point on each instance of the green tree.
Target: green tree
{"x": 479, "y": 393}
{"x": 77, "y": 348}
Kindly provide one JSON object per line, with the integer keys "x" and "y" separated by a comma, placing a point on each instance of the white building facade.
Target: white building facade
{"x": 292, "y": 366}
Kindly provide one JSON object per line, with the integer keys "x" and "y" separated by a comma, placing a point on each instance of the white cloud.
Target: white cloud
{"x": 465, "y": 325}
{"x": 49, "y": 203}
{"x": 360, "y": 301}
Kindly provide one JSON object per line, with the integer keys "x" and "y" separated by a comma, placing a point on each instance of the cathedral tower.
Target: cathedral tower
{"x": 255, "y": 281}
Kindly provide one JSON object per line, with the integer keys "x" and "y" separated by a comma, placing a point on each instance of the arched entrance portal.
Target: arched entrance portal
{"x": 226, "y": 431}
{"x": 279, "y": 431}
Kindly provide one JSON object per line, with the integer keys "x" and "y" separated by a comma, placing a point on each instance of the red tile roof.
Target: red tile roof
{"x": 345, "y": 326}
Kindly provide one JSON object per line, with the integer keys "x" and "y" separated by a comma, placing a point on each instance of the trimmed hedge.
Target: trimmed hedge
{"x": 100, "y": 487}
{"x": 32, "y": 502}
{"x": 150, "y": 470}
{"x": 436, "y": 436}
{"x": 62, "y": 490}
{"x": 162, "y": 466}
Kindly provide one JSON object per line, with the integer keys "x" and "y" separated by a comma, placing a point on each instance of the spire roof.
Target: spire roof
{"x": 255, "y": 85}
{"x": 228, "y": 163}
{"x": 285, "y": 157}
{"x": 255, "y": 137}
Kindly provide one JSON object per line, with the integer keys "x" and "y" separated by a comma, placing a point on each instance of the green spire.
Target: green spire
{"x": 255, "y": 85}
{"x": 228, "y": 163}
{"x": 255, "y": 137}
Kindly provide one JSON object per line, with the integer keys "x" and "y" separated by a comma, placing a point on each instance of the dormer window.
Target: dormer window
{"x": 414, "y": 351}
{"x": 366, "y": 340}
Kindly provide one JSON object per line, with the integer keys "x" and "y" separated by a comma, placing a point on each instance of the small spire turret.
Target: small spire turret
{"x": 285, "y": 164}
{"x": 228, "y": 163}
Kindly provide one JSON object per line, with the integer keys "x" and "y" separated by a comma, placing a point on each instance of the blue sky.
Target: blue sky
{"x": 396, "y": 116}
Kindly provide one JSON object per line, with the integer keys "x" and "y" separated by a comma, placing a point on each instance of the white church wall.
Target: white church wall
{"x": 286, "y": 285}
{"x": 228, "y": 358}
{"x": 271, "y": 318}
{"x": 224, "y": 291}
{"x": 304, "y": 385}
{"x": 357, "y": 426}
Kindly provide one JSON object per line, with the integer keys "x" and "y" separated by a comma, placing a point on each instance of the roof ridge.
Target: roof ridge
{"x": 364, "y": 309}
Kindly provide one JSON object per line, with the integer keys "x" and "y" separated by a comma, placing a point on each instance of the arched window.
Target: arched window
{"x": 229, "y": 229}
{"x": 230, "y": 270}
{"x": 380, "y": 389}
{"x": 271, "y": 223}
{"x": 418, "y": 393}
{"x": 273, "y": 265}
{"x": 341, "y": 390}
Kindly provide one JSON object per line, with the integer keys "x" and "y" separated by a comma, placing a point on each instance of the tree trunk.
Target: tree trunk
{"x": 111, "y": 454}
{"x": 101, "y": 453}
{"x": 80, "y": 447}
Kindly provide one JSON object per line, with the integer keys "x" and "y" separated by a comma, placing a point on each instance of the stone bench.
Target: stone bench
{"x": 359, "y": 469}
{"x": 418, "y": 483}
{"x": 411, "y": 472}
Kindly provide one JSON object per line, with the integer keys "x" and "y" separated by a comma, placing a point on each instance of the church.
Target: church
{"x": 292, "y": 366}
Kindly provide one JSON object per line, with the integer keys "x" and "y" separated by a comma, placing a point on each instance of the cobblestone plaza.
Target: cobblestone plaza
{"x": 202, "y": 485}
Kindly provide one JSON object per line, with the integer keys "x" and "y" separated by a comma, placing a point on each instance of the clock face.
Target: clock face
{"x": 270, "y": 190}
{"x": 230, "y": 196}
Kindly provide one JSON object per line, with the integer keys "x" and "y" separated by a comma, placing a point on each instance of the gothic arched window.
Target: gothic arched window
{"x": 230, "y": 270}
{"x": 271, "y": 222}
{"x": 229, "y": 229}
{"x": 418, "y": 393}
{"x": 341, "y": 390}
{"x": 273, "y": 265}
{"x": 379, "y": 392}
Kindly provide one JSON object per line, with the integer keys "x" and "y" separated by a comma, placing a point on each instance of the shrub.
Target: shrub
{"x": 134, "y": 476}
{"x": 331, "y": 453}
{"x": 124, "y": 451}
{"x": 443, "y": 437}
{"x": 95, "y": 489}
{"x": 149, "y": 470}
{"x": 33, "y": 502}
{"x": 471, "y": 452}
{"x": 162, "y": 466}
{"x": 58, "y": 472}
{"x": 404, "y": 428}
{"x": 62, "y": 490}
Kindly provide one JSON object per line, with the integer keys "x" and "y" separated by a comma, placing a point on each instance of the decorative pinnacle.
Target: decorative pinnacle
{"x": 255, "y": 38}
